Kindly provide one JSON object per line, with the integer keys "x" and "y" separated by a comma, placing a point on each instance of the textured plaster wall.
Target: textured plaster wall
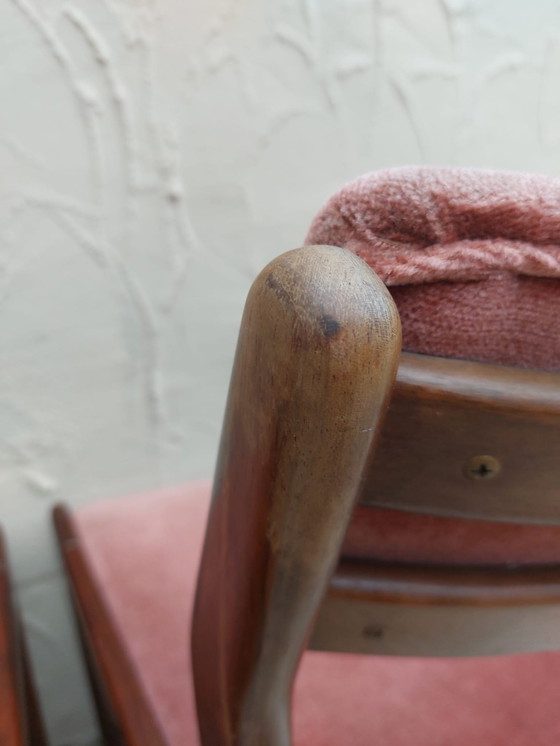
{"x": 154, "y": 155}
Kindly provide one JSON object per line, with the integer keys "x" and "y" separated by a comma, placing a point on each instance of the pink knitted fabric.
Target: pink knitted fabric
{"x": 472, "y": 258}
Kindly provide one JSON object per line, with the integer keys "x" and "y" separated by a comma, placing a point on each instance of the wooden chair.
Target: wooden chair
{"x": 359, "y": 506}
{"x": 21, "y": 722}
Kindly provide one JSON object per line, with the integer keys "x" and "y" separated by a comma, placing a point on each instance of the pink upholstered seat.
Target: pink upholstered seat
{"x": 145, "y": 552}
{"x": 473, "y": 261}
{"x": 471, "y": 257}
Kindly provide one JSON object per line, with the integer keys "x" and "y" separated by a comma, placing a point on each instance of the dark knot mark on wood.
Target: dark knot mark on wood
{"x": 373, "y": 631}
{"x": 329, "y": 325}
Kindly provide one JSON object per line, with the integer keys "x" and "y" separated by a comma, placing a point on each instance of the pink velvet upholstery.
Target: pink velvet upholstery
{"x": 397, "y": 536}
{"x": 471, "y": 257}
{"x": 145, "y": 551}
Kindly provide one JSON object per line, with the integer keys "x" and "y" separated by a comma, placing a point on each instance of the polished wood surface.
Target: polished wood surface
{"x": 314, "y": 368}
{"x": 315, "y": 362}
{"x": 396, "y": 609}
{"x": 425, "y": 613}
{"x": 444, "y": 586}
{"x": 21, "y": 721}
{"x": 469, "y": 440}
{"x": 367, "y": 627}
{"x": 36, "y": 730}
{"x": 517, "y": 390}
{"x": 125, "y": 713}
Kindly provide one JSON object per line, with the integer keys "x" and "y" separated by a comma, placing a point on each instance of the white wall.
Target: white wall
{"x": 154, "y": 155}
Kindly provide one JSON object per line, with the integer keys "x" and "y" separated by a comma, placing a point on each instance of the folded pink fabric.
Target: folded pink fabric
{"x": 471, "y": 257}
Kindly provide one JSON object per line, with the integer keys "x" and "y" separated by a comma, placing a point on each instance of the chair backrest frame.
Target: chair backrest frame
{"x": 320, "y": 334}
{"x": 447, "y": 420}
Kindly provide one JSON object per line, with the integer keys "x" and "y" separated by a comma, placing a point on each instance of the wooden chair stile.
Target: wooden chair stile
{"x": 21, "y": 722}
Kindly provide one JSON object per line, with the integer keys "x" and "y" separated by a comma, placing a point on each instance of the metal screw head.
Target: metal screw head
{"x": 482, "y": 467}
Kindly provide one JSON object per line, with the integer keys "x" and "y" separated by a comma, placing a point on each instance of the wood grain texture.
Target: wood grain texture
{"x": 518, "y": 390}
{"x": 381, "y": 608}
{"x": 125, "y": 712}
{"x": 446, "y": 586}
{"x": 12, "y": 698}
{"x": 394, "y": 609}
{"x": 445, "y": 413}
{"x": 378, "y": 628}
{"x": 315, "y": 362}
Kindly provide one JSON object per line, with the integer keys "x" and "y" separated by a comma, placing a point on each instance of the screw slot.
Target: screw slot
{"x": 482, "y": 467}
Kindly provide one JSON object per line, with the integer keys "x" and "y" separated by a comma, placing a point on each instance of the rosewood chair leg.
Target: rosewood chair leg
{"x": 125, "y": 713}
{"x": 316, "y": 359}
{"x": 12, "y": 696}
{"x": 36, "y": 729}
{"x": 21, "y": 721}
